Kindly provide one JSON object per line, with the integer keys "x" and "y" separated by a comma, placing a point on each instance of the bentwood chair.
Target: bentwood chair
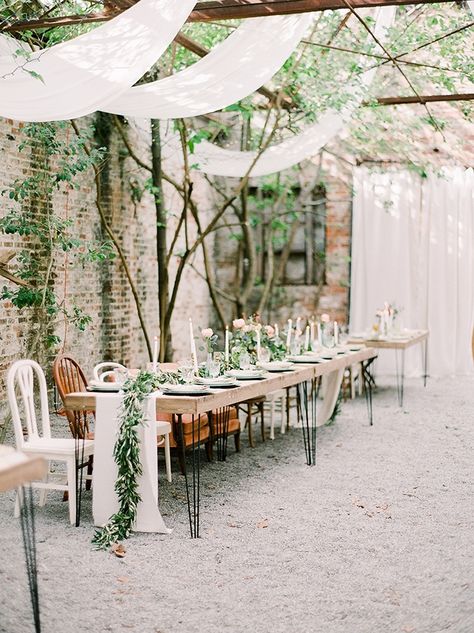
{"x": 35, "y": 439}
{"x": 69, "y": 377}
{"x": 104, "y": 371}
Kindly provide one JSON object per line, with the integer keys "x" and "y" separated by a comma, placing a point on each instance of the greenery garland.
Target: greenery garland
{"x": 127, "y": 455}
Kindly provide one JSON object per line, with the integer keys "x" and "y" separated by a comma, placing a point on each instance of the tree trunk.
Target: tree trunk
{"x": 161, "y": 243}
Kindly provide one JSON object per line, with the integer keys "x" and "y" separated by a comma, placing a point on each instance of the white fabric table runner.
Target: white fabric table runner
{"x": 104, "y": 498}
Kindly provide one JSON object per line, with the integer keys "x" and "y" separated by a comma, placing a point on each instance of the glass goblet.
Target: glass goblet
{"x": 244, "y": 361}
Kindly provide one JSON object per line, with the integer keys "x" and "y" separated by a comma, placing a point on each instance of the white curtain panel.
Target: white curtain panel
{"x": 231, "y": 71}
{"x": 218, "y": 161}
{"x": 413, "y": 245}
{"x": 82, "y": 75}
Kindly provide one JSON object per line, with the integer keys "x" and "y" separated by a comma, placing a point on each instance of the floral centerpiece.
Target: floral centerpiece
{"x": 385, "y": 319}
{"x": 247, "y": 334}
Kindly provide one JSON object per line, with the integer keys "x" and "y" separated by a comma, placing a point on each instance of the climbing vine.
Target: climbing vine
{"x": 57, "y": 162}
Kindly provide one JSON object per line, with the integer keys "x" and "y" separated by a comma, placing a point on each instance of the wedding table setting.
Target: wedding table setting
{"x": 387, "y": 334}
{"x": 255, "y": 362}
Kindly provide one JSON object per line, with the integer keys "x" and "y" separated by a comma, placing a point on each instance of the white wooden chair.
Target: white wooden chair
{"x": 37, "y": 440}
{"x": 106, "y": 369}
{"x": 163, "y": 428}
{"x": 272, "y": 399}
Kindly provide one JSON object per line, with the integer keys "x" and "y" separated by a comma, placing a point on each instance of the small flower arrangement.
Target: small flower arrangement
{"x": 385, "y": 318}
{"x": 209, "y": 338}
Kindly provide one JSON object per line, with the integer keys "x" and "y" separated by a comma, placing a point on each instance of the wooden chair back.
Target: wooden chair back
{"x": 69, "y": 378}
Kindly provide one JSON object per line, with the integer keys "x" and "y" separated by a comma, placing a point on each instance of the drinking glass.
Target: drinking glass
{"x": 120, "y": 375}
{"x": 343, "y": 334}
{"x": 187, "y": 370}
{"x": 315, "y": 346}
{"x": 214, "y": 368}
{"x": 295, "y": 348}
{"x": 264, "y": 354}
{"x": 244, "y": 361}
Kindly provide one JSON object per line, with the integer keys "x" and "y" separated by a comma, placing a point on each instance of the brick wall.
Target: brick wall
{"x": 99, "y": 288}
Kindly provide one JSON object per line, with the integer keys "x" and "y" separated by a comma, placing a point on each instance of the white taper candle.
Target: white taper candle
{"x": 193, "y": 345}
{"x": 226, "y": 343}
{"x": 154, "y": 360}
{"x": 288, "y": 336}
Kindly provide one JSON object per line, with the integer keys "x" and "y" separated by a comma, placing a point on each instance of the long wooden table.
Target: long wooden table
{"x": 400, "y": 343}
{"x": 304, "y": 377}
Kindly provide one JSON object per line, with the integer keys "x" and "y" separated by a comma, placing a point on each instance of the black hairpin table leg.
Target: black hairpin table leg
{"x": 192, "y": 491}
{"x": 400, "y": 376}
{"x": 80, "y": 465}
{"x": 221, "y": 425}
{"x": 306, "y": 393}
{"x": 425, "y": 360}
{"x": 368, "y": 386}
{"x": 27, "y": 519}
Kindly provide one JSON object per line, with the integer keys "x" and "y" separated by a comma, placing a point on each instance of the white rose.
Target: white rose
{"x": 325, "y": 318}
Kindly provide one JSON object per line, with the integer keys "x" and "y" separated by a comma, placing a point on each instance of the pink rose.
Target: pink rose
{"x": 238, "y": 323}
{"x": 325, "y": 318}
{"x": 207, "y": 332}
{"x": 270, "y": 330}
{"x": 247, "y": 328}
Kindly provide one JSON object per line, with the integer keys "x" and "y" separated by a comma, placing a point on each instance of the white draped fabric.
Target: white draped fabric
{"x": 218, "y": 161}
{"x": 231, "y": 71}
{"x": 413, "y": 245}
{"x": 82, "y": 75}
{"x": 104, "y": 498}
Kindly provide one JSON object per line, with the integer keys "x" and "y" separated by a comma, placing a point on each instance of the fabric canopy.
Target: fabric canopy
{"x": 231, "y": 71}
{"x": 82, "y": 75}
{"x": 412, "y": 246}
{"x": 218, "y": 161}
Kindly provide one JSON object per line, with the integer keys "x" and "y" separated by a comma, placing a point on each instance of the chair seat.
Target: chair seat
{"x": 233, "y": 426}
{"x": 186, "y": 421}
{"x": 57, "y": 446}
{"x": 204, "y": 435}
{"x": 163, "y": 427}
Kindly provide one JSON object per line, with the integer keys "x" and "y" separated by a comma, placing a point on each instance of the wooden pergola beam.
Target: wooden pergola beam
{"x": 214, "y": 10}
{"x": 238, "y": 9}
{"x": 386, "y": 101}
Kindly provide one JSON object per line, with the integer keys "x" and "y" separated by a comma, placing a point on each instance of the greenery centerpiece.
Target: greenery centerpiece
{"x": 244, "y": 340}
{"x": 127, "y": 454}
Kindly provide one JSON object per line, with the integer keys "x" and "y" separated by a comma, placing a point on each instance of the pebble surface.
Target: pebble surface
{"x": 376, "y": 538}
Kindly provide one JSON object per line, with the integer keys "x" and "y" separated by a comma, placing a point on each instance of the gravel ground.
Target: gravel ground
{"x": 376, "y": 538}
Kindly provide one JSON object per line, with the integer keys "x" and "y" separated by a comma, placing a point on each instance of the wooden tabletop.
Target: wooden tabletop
{"x": 86, "y": 401}
{"x": 17, "y": 469}
{"x": 399, "y": 342}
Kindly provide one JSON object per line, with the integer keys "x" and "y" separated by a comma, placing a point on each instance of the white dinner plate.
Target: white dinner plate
{"x": 220, "y": 382}
{"x": 305, "y": 359}
{"x": 185, "y": 390}
{"x": 111, "y": 387}
{"x": 276, "y": 366}
{"x": 246, "y": 374}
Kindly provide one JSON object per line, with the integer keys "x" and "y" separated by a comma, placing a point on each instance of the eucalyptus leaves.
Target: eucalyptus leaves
{"x": 127, "y": 456}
